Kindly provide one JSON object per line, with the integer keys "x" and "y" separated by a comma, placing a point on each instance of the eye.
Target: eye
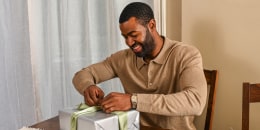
{"x": 135, "y": 36}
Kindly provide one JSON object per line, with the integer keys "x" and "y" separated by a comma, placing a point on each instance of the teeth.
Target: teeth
{"x": 134, "y": 46}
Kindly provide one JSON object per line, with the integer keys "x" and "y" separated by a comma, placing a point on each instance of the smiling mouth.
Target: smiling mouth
{"x": 136, "y": 47}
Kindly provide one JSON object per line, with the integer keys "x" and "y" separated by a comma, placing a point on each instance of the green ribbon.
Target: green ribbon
{"x": 84, "y": 109}
{"x": 122, "y": 119}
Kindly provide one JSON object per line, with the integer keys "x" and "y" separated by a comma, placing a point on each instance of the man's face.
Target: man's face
{"x": 138, "y": 38}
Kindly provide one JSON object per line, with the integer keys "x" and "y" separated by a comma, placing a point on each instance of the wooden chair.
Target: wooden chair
{"x": 251, "y": 94}
{"x": 204, "y": 122}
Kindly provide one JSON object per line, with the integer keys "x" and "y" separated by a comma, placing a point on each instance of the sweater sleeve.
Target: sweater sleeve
{"x": 93, "y": 74}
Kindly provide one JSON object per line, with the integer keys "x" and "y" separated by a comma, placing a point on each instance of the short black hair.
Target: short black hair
{"x": 141, "y": 11}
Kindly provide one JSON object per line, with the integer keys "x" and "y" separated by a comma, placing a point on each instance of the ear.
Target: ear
{"x": 152, "y": 25}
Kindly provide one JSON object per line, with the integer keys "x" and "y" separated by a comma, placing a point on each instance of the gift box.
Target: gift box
{"x": 98, "y": 120}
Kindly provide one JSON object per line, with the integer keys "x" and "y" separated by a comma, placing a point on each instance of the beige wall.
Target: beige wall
{"x": 227, "y": 32}
{"x": 173, "y": 19}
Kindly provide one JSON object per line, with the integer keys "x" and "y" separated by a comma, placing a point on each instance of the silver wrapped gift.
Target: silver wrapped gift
{"x": 98, "y": 120}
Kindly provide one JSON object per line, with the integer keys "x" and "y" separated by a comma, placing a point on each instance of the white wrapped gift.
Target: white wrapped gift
{"x": 98, "y": 120}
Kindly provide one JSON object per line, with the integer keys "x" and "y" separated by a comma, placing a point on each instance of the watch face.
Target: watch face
{"x": 134, "y": 101}
{"x": 134, "y": 98}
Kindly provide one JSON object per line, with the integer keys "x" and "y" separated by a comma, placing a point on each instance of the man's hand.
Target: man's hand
{"x": 93, "y": 95}
{"x": 116, "y": 102}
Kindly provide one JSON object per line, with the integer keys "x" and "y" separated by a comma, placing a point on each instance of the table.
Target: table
{"x": 54, "y": 124}
{"x": 50, "y": 124}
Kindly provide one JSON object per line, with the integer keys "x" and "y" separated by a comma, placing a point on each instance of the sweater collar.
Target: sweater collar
{"x": 161, "y": 57}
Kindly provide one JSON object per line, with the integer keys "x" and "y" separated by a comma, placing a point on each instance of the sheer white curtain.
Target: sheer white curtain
{"x": 42, "y": 44}
{"x": 16, "y": 93}
{"x": 65, "y": 37}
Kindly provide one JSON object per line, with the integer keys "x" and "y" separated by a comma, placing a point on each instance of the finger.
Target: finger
{"x": 88, "y": 100}
{"x": 107, "y": 104}
{"x": 110, "y": 95}
{"x": 109, "y": 110}
{"x": 100, "y": 99}
{"x": 106, "y": 100}
{"x": 111, "y": 98}
{"x": 93, "y": 97}
{"x": 100, "y": 94}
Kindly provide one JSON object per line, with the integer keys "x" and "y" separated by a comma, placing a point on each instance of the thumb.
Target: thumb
{"x": 99, "y": 94}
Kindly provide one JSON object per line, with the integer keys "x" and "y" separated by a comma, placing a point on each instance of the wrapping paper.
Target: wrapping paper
{"x": 98, "y": 120}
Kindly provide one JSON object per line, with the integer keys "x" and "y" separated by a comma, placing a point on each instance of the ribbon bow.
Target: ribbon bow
{"x": 84, "y": 109}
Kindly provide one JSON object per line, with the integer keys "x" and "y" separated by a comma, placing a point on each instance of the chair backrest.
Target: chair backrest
{"x": 205, "y": 120}
{"x": 251, "y": 94}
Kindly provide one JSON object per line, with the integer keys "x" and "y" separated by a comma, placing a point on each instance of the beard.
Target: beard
{"x": 148, "y": 45}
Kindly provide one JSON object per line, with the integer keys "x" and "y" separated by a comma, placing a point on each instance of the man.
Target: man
{"x": 162, "y": 79}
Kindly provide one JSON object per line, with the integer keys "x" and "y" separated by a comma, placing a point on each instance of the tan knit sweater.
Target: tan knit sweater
{"x": 171, "y": 89}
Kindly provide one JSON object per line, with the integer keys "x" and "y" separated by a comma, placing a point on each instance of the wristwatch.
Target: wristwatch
{"x": 134, "y": 100}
